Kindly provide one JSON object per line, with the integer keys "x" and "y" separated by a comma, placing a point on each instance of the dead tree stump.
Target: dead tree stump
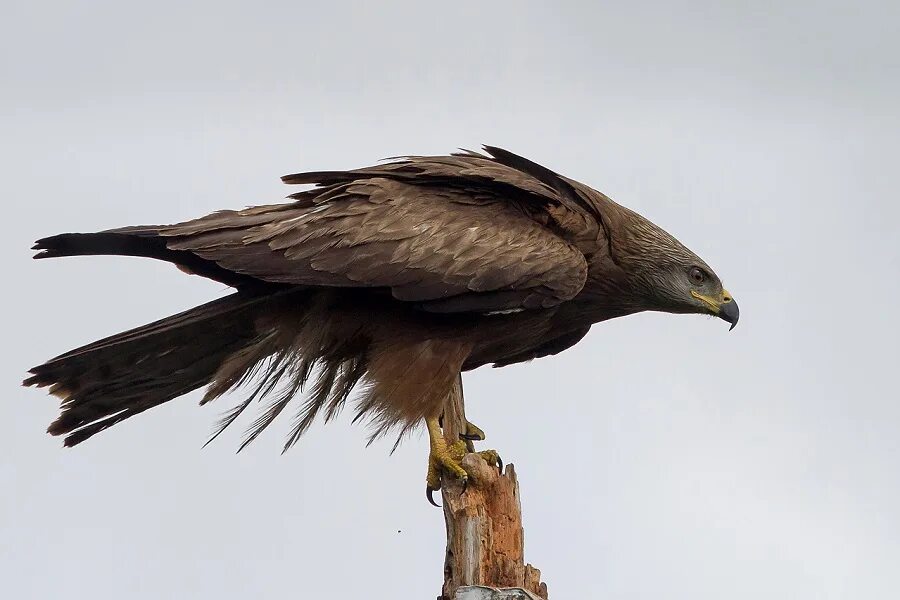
{"x": 485, "y": 539}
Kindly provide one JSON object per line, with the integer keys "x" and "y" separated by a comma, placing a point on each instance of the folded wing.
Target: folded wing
{"x": 452, "y": 233}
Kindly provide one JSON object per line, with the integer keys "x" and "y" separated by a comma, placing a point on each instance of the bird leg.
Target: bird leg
{"x": 444, "y": 456}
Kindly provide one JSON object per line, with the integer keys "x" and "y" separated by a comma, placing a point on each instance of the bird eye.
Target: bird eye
{"x": 697, "y": 275}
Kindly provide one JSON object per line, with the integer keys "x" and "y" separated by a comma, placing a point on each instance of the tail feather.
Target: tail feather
{"x": 273, "y": 342}
{"x": 271, "y": 336}
{"x": 108, "y": 381}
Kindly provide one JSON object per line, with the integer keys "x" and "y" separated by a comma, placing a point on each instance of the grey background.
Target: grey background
{"x": 660, "y": 458}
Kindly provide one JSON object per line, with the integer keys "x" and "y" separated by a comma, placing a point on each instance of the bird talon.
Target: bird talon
{"x": 446, "y": 459}
{"x": 429, "y": 493}
{"x": 473, "y": 433}
{"x": 492, "y": 457}
{"x": 443, "y": 458}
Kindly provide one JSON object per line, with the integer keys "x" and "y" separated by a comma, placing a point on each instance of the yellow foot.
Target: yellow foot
{"x": 442, "y": 457}
{"x": 492, "y": 458}
{"x": 445, "y": 457}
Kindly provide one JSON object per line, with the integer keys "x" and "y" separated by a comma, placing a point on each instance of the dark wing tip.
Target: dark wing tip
{"x": 317, "y": 177}
{"x": 511, "y": 159}
{"x": 56, "y": 245}
{"x": 44, "y": 247}
{"x": 294, "y": 178}
{"x": 546, "y": 176}
{"x": 499, "y": 153}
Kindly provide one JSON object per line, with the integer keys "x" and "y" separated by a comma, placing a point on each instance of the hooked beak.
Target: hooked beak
{"x": 725, "y": 307}
{"x": 730, "y": 313}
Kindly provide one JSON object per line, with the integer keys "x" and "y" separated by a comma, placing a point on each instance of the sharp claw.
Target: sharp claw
{"x": 500, "y": 464}
{"x": 472, "y": 437}
{"x": 429, "y": 491}
{"x": 465, "y": 483}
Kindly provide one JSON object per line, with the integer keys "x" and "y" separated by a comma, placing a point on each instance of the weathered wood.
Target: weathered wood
{"x": 479, "y": 592}
{"x": 485, "y": 539}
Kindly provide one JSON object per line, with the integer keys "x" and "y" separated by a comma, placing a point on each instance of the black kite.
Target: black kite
{"x": 400, "y": 275}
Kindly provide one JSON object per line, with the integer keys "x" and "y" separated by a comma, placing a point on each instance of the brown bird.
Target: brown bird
{"x": 400, "y": 276}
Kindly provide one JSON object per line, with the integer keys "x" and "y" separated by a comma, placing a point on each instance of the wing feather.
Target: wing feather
{"x": 453, "y": 233}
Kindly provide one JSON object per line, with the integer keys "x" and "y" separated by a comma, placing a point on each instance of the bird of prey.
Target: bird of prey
{"x": 398, "y": 276}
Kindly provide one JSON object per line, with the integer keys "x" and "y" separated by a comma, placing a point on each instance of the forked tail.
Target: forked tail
{"x": 115, "y": 378}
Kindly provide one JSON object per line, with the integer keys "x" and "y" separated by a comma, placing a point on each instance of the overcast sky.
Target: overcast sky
{"x": 662, "y": 457}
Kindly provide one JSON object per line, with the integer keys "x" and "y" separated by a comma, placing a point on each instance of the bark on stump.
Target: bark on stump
{"x": 485, "y": 539}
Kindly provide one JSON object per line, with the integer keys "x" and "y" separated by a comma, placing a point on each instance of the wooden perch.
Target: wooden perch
{"x": 485, "y": 539}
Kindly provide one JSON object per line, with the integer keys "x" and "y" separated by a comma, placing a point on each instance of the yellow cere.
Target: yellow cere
{"x": 715, "y": 305}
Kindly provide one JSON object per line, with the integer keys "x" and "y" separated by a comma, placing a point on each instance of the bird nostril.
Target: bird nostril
{"x": 726, "y": 299}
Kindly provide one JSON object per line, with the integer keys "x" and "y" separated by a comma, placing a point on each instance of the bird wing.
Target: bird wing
{"x": 453, "y": 234}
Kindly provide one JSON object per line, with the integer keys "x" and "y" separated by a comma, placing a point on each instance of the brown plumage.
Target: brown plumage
{"x": 399, "y": 276}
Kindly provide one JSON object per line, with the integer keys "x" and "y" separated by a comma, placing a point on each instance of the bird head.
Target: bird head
{"x": 666, "y": 275}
